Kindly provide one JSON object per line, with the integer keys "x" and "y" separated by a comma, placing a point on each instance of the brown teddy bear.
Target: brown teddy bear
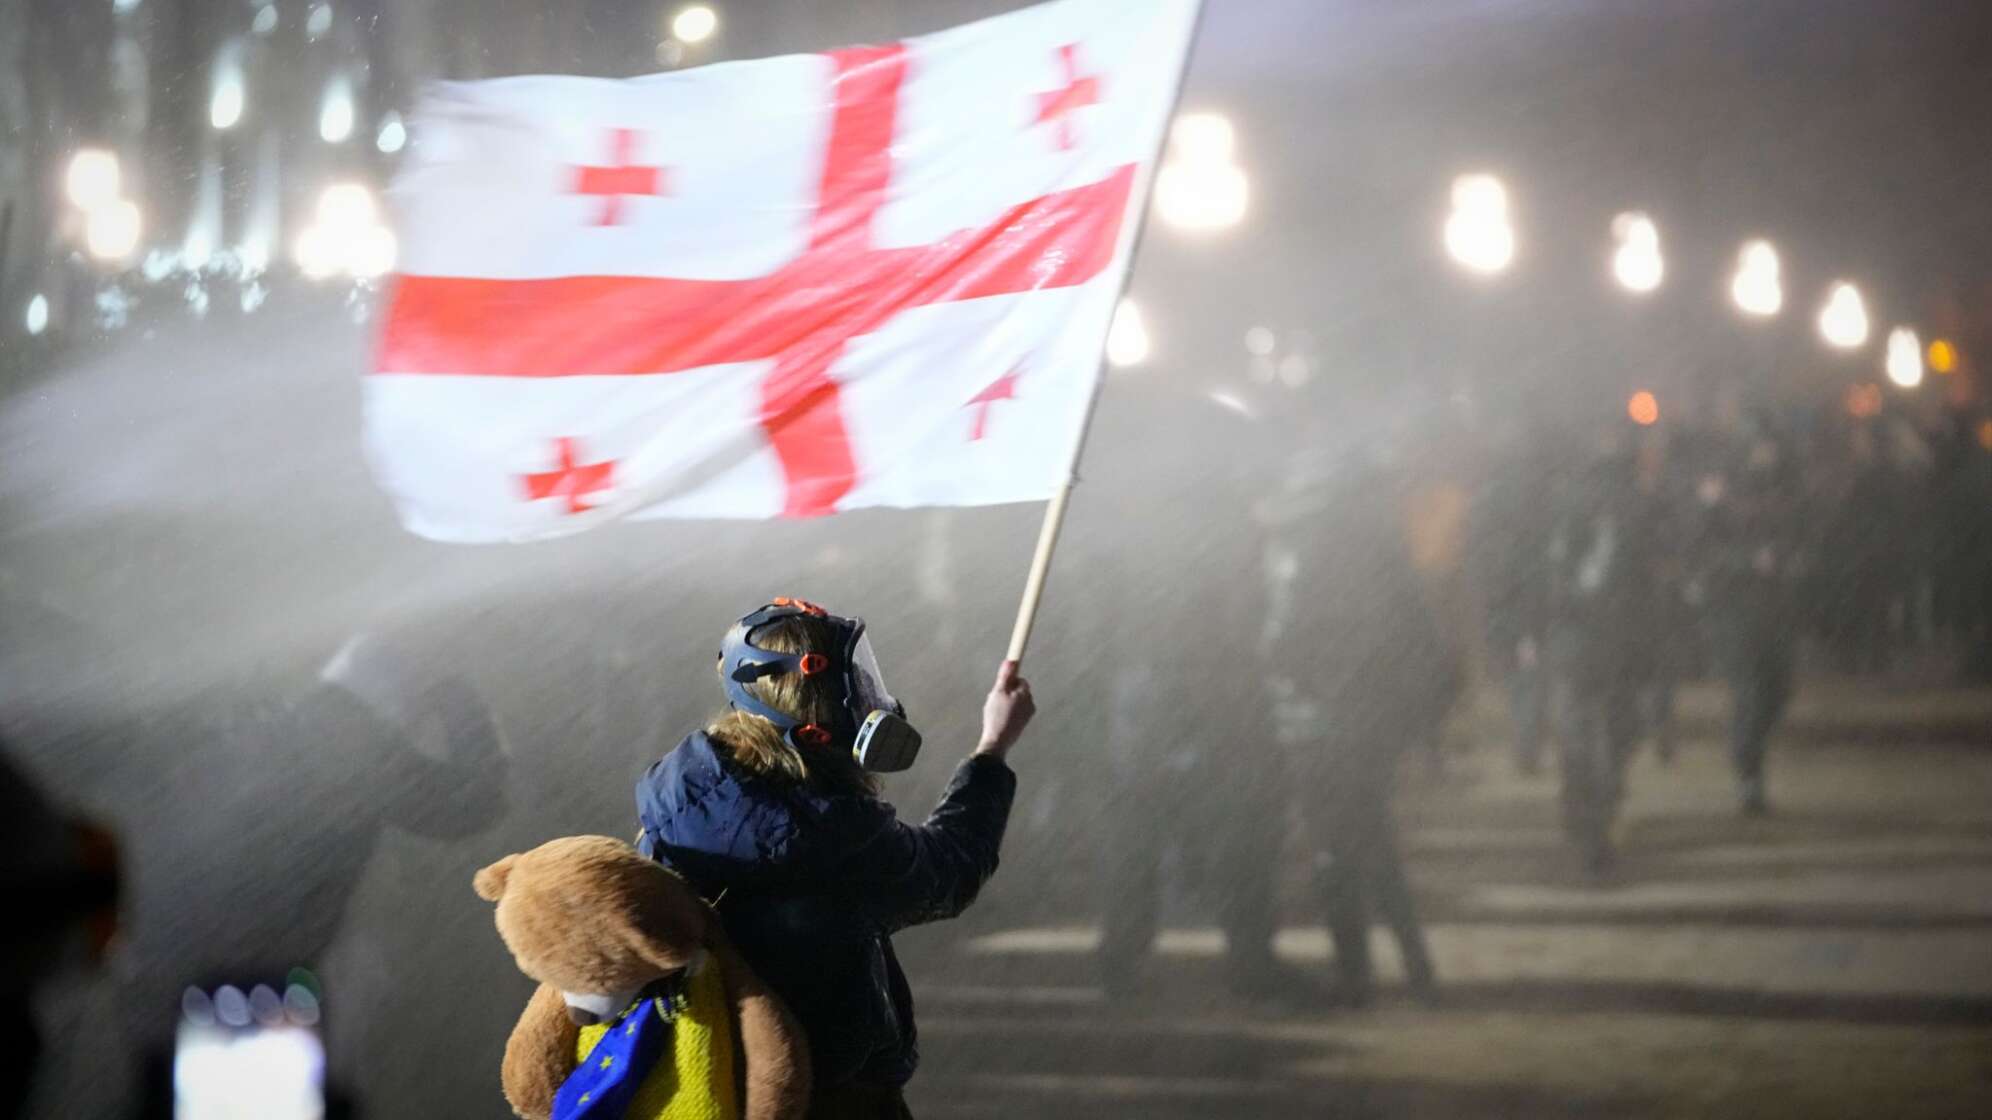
{"x": 639, "y": 991}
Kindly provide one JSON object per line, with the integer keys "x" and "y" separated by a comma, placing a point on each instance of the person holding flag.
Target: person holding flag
{"x": 772, "y": 813}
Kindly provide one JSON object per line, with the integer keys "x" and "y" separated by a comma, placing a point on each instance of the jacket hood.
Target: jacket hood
{"x": 722, "y": 827}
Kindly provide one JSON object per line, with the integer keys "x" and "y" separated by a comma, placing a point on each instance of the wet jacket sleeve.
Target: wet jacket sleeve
{"x": 905, "y": 874}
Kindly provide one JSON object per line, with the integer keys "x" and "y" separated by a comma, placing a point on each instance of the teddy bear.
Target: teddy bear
{"x": 644, "y": 1011}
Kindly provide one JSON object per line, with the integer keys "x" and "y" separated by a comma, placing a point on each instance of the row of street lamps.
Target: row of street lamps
{"x": 1479, "y": 234}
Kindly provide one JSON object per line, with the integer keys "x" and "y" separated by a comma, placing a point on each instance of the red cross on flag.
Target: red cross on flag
{"x": 875, "y": 277}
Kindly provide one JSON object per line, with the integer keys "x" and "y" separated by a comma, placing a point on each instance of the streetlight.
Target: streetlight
{"x": 335, "y": 118}
{"x": 1843, "y": 319}
{"x": 93, "y": 179}
{"x": 1905, "y": 358}
{"x": 1637, "y": 263}
{"x": 1202, "y": 189}
{"x": 111, "y": 230}
{"x": 695, "y": 24}
{"x": 1127, "y": 340}
{"x": 225, "y": 109}
{"x": 1756, "y": 287}
{"x": 1478, "y": 233}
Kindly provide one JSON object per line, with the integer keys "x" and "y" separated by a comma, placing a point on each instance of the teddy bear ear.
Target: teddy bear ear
{"x": 490, "y": 882}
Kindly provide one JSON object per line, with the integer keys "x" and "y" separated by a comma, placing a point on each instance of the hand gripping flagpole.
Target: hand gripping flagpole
{"x": 1054, "y": 512}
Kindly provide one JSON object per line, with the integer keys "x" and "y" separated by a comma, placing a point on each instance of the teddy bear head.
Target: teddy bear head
{"x": 595, "y": 919}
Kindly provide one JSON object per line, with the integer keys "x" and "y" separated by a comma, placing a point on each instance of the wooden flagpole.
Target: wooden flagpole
{"x": 1054, "y": 511}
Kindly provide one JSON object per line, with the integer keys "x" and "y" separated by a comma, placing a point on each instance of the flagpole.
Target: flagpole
{"x": 1054, "y": 511}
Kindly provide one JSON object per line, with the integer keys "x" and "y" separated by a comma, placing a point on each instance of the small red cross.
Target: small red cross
{"x": 620, "y": 178}
{"x": 1003, "y": 388}
{"x": 1057, "y": 106}
{"x": 570, "y": 481}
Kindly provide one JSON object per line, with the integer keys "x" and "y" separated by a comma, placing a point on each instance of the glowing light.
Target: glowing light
{"x": 317, "y": 256}
{"x": 1843, "y": 319}
{"x": 253, "y": 255}
{"x": 1864, "y": 400}
{"x": 1478, "y": 232}
{"x": 392, "y": 135}
{"x": 1259, "y": 341}
{"x": 36, "y": 319}
{"x": 93, "y": 179}
{"x": 1637, "y": 263}
{"x": 347, "y": 237}
{"x": 1643, "y": 408}
{"x": 121, "y": 7}
{"x": 225, "y": 108}
{"x": 1202, "y": 198}
{"x": 335, "y": 116}
{"x": 266, "y": 20}
{"x": 111, "y": 232}
{"x": 694, "y": 24}
{"x": 196, "y": 253}
{"x": 1756, "y": 287}
{"x": 1943, "y": 356}
{"x": 372, "y": 254}
{"x": 1127, "y": 341}
{"x": 318, "y": 22}
{"x": 1905, "y": 358}
{"x": 1985, "y": 434}
{"x": 1202, "y": 137}
{"x": 1201, "y": 189}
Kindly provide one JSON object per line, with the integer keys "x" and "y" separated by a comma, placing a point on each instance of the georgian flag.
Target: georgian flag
{"x": 875, "y": 277}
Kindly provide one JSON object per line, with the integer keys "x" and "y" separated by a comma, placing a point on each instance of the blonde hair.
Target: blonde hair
{"x": 759, "y": 747}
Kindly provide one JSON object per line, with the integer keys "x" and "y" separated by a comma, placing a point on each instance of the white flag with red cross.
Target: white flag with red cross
{"x": 874, "y": 277}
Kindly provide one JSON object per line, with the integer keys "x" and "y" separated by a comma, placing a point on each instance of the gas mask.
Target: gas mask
{"x": 868, "y": 717}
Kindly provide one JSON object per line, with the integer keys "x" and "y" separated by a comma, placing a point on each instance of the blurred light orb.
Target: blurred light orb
{"x": 1260, "y": 341}
{"x": 121, "y": 7}
{"x": 1295, "y": 371}
{"x": 1202, "y": 197}
{"x": 1128, "y": 343}
{"x": 1864, "y": 401}
{"x": 1756, "y": 287}
{"x": 318, "y": 22}
{"x": 1905, "y": 358}
{"x": 393, "y": 135}
{"x": 265, "y": 21}
{"x": 316, "y": 254}
{"x": 111, "y": 231}
{"x": 372, "y": 254}
{"x": 1478, "y": 232}
{"x": 1943, "y": 356}
{"x": 1643, "y": 409}
{"x": 36, "y": 319}
{"x": 1843, "y": 319}
{"x": 225, "y": 108}
{"x": 1985, "y": 434}
{"x": 1205, "y": 137}
{"x": 695, "y": 24}
{"x": 93, "y": 179}
{"x": 1637, "y": 263}
{"x": 335, "y": 116}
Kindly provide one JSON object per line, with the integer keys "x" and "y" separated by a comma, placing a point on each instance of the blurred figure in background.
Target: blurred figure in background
{"x": 1361, "y": 674}
{"x": 1195, "y": 777}
{"x": 1601, "y": 595}
{"x": 1746, "y": 571}
{"x": 1510, "y": 535}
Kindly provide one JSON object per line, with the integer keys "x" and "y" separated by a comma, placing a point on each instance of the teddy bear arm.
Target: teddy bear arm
{"x": 539, "y": 1055}
{"x": 774, "y": 1053}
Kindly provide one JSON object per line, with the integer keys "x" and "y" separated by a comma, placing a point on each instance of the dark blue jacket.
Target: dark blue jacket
{"x": 815, "y": 885}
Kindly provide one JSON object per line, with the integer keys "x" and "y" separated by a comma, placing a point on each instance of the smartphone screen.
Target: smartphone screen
{"x": 247, "y": 1056}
